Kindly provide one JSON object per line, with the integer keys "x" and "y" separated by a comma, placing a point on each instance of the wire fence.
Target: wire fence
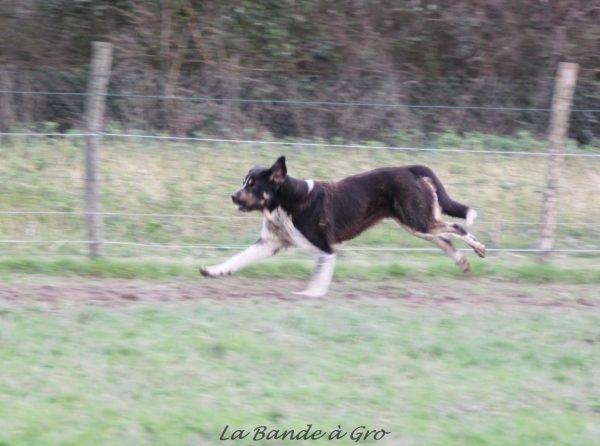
{"x": 170, "y": 163}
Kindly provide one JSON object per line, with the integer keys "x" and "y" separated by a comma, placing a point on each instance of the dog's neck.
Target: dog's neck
{"x": 291, "y": 192}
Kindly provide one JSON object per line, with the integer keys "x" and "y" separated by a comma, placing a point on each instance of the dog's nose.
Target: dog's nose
{"x": 234, "y": 198}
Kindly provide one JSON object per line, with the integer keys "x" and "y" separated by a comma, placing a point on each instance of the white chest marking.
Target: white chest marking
{"x": 311, "y": 185}
{"x": 278, "y": 225}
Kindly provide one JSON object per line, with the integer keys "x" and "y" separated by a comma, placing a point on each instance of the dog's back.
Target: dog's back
{"x": 412, "y": 195}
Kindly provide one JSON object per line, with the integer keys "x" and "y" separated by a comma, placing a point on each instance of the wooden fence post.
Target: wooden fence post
{"x": 559, "y": 125}
{"x": 95, "y": 105}
{"x": 7, "y": 112}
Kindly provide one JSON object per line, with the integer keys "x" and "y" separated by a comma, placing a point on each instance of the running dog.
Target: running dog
{"x": 318, "y": 216}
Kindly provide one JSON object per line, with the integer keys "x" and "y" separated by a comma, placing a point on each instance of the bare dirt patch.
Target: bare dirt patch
{"x": 116, "y": 292}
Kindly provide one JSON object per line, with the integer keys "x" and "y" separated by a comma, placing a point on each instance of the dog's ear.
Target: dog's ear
{"x": 278, "y": 171}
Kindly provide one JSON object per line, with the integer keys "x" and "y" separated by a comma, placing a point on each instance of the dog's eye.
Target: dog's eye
{"x": 250, "y": 183}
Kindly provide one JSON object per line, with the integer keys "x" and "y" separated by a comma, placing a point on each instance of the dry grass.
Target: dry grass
{"x": 144, "y": 176}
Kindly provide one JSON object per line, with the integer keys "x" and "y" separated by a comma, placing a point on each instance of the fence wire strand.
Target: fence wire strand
{"x": 309, "y": 144}
{"x": 293, "y": 102}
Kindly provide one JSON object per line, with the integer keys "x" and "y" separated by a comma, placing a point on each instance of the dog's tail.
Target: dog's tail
{"x": 448, "y": 205}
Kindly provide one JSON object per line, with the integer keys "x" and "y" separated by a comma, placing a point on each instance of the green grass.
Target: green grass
{"x": 584, "y": 272}
{"x": 178, "y": 374}
{"x": 466, "y": 373}
{"x": 103, "y": 268}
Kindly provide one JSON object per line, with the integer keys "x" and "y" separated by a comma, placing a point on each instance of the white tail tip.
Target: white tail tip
{"x": 471, "y": 216}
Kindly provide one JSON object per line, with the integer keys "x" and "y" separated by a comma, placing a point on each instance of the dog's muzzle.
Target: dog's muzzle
{"x": 235, "y": 197}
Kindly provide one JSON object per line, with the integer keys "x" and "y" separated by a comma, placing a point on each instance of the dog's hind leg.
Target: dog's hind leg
{"x": 457, "y": 231}
{"x": 255, "y": 253}
{"x": 440, "y": 237}
{"x": 446, "y": 245}
{"x": 321, "y": 278}
{"x": 447, "y": 230}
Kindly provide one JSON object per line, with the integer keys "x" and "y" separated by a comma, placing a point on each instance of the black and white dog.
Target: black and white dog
{"x": 318, "y": 216}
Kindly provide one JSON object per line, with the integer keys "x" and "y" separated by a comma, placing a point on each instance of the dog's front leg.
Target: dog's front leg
{"x": 255, "y": 253}
{"x": 319, "y": 283}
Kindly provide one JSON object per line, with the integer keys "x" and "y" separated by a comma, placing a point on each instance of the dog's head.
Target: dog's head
{"x": 260, "y": 187}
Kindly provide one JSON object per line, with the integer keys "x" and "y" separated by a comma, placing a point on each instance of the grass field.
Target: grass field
{"x": 137, "y": 349}
{"x": 448, "y": 362}
{"x": 293, "y": 264}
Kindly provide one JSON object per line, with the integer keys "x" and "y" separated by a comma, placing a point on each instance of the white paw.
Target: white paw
{"x": 207, "y": 271}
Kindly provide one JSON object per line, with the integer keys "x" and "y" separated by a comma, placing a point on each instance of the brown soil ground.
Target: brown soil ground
{"x": 114, "y": 292}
